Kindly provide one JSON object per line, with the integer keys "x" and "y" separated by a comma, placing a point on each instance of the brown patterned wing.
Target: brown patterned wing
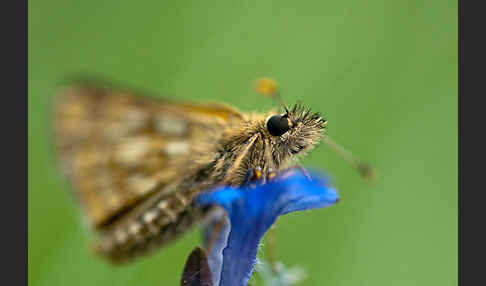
{"x": 118, "y": 148}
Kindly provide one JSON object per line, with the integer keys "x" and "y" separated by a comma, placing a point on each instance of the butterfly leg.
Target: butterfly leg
{"x": 271, "y": 174}
{"x": 254, "y": 174}
{"x": 302, "y": 169}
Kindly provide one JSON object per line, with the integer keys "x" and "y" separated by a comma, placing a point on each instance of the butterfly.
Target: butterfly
{"x": 136, "y": 161}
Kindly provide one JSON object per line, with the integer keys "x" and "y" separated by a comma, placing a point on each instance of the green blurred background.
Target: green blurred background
{"x": 384, "y": 72}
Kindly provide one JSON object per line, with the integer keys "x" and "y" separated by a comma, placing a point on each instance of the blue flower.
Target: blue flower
{"x": 252, "y": 209}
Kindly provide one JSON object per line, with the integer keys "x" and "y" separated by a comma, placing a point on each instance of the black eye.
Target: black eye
{"x": 278, "y": 124}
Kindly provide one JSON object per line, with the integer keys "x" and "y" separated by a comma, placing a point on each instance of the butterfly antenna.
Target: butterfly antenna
{"x": 366, "y": 171}
{"x": 269, "y": 87}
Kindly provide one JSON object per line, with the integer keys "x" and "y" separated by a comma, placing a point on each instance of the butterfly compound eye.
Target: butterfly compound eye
{"x": 278, "y": 124}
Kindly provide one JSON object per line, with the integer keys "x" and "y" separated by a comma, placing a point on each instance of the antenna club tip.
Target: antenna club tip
{"x": 367, "y": 172}
{"x": 266, "y": 86}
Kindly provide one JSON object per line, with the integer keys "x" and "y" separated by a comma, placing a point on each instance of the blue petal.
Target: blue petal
{"x": 215, "y": 255}
{"x": 252, "y": 210}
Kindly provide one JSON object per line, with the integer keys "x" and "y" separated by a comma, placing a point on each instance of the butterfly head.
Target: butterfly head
{"x": 296, "y": 131}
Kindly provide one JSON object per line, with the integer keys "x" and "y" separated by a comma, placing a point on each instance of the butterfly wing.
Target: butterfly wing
{"x": 118, "y": 147}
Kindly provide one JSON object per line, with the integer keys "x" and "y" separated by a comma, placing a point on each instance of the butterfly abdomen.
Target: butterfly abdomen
{"x": 157, "y": 225}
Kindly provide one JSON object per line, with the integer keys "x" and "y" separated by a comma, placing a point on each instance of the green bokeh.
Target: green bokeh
{"x": 384, "y": 72}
